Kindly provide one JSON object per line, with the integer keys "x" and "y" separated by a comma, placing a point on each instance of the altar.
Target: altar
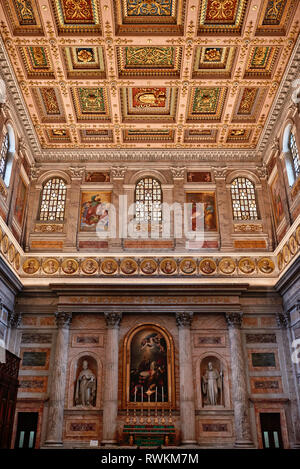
{"x": 149, "y": 435}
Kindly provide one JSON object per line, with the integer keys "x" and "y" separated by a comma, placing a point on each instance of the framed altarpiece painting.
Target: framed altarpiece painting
{"x": 148, "y": 368}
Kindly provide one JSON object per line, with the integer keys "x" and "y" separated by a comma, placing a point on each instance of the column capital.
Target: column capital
{"x": 283, "y": 320}
{"x": 234, "y": 319}
{"x": 113, "y": 319}
{"x": 184, "y": 319}
{"x": 63, "y": 319}
{"x": 14, "y": 319}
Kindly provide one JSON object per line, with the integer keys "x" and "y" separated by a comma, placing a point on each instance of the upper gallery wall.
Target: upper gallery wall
{"x": 135, "y": 74}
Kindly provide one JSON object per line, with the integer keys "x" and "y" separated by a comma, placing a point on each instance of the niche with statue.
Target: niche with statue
{"x": 212, "y": 382}
{"x": 85, "y": 389}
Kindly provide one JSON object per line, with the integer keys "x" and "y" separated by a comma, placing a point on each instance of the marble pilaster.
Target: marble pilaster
{"x": 239, "y": 386}
{"x": 58, "y": 382}
{"x": 110, "y": 401}
{"x": 187, "y": 400}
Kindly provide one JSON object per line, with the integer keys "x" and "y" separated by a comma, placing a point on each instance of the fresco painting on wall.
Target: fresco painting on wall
{"x": 20, "y": 202}
{"x": 94, "y": 211}
{"x": 277, "y": 201}
{"x": 208, "y": 199}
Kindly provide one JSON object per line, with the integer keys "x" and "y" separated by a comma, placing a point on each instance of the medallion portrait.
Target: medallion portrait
{"x": 31, "y": 266}
{"x": 207, "y": 266}
{"x": 298, "y": 235}
{"x": 89, "y": 266}
{"x": 247, "y": 265}
{"x": 109, "y": 266}
{"x": 266, "y": 265}
{"x": 227, "y": 265}
{"x": 293, "y": 245}
{"x": 188, "y": 266}
{"x": 168, "y": 266}
{"x": 50, "y": 266}
{"x": 128, "y": 266}
{"x": 69, "y": 266}
{"x": 148, "y": 266}
{"x": 286, "y": 254}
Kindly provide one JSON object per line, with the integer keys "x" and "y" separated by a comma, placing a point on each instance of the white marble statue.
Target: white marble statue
{"x": 85, "y": 387}
{"x": 211, "y": 384}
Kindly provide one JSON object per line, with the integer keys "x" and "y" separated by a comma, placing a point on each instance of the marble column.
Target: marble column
{"x": 187, "y": 400}
{"x": 58, "y": 382}
{"x": 239, "y": 386}
{"x": 110, "y": 401}
{"x": 284, "y": 323}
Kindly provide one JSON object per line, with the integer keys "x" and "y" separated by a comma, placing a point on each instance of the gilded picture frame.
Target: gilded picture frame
{"x": 169, "y": 396}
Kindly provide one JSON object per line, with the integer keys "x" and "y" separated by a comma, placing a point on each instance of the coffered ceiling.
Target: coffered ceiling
{"x": 149, "y": 74}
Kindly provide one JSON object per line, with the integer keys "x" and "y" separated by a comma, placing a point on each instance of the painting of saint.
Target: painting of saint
{"x": 208, "y": 212}
{"x": 20, "y": 202}
{"x": 148, "y": 367}
{"x": 277, "y": 201}
{"x": 94, "y": 211}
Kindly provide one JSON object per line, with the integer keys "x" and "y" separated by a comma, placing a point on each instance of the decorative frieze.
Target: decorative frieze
{"x": 49, "y": 228}
{"x": 247, "y": 228}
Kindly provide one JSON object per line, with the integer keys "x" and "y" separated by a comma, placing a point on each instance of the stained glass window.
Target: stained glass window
{"x": 295, "y": 154}
{"x": 243, "y": 199}
{"x": 53, "y": 200}
{"x": 3, "y": 156}
{"x": 148, "y": 198}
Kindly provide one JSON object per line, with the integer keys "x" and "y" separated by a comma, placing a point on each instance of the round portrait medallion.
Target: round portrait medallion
{"x": 246, "y": 265}
{"x": 69, "y": 266}
{"x": 4, "y": 244}
{"x": 298, "y": 235}
{"x": 11, "y": 253}
{"x": 280, "y": 261}
{"x": 50, "y": 266}
{"x": 168, "y": 266}
{"x": 286, "y": 254}
{"x": 293, "y": 245}
{"x": 266, "y": 265}
{"x": 148, "y": 266}
{"x": 188, "y": 266}
{"x": 17, "y": 261}
{"x": 227, "y": 265}
{"x": 128, "y": 266}
{"x": 208, "y": 266}
{"x": 89, "y": 266}
{"x": 31, "y": 266}
{"x": 109, "y": 266}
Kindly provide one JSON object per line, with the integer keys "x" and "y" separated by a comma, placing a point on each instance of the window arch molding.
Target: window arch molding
{"x": 11, "y": 149}
{"x": 254, "y": 180}
{"x": 292, "y": 174}
{"x": 136, "y": 177}
{"x": 53, "y": 174}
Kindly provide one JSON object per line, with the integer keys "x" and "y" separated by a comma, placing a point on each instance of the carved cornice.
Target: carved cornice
{"x": 234, "y": 319}
{"x": 184, "y": 319}
{"x": 63, "y": 319}
{"x": 113, "y": 319}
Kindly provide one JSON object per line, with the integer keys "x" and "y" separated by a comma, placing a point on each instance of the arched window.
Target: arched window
{"x": 53, "y": 200}
{"x": 148, "y": 199}
{"x": 4, "y": 155}
{"x": 243, "y": 199}
{"x": 295, "y": 154}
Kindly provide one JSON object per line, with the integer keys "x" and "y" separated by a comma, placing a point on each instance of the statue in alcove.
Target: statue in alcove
{"x": 212, "y": 383}
{"x": 85, "y": 392}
